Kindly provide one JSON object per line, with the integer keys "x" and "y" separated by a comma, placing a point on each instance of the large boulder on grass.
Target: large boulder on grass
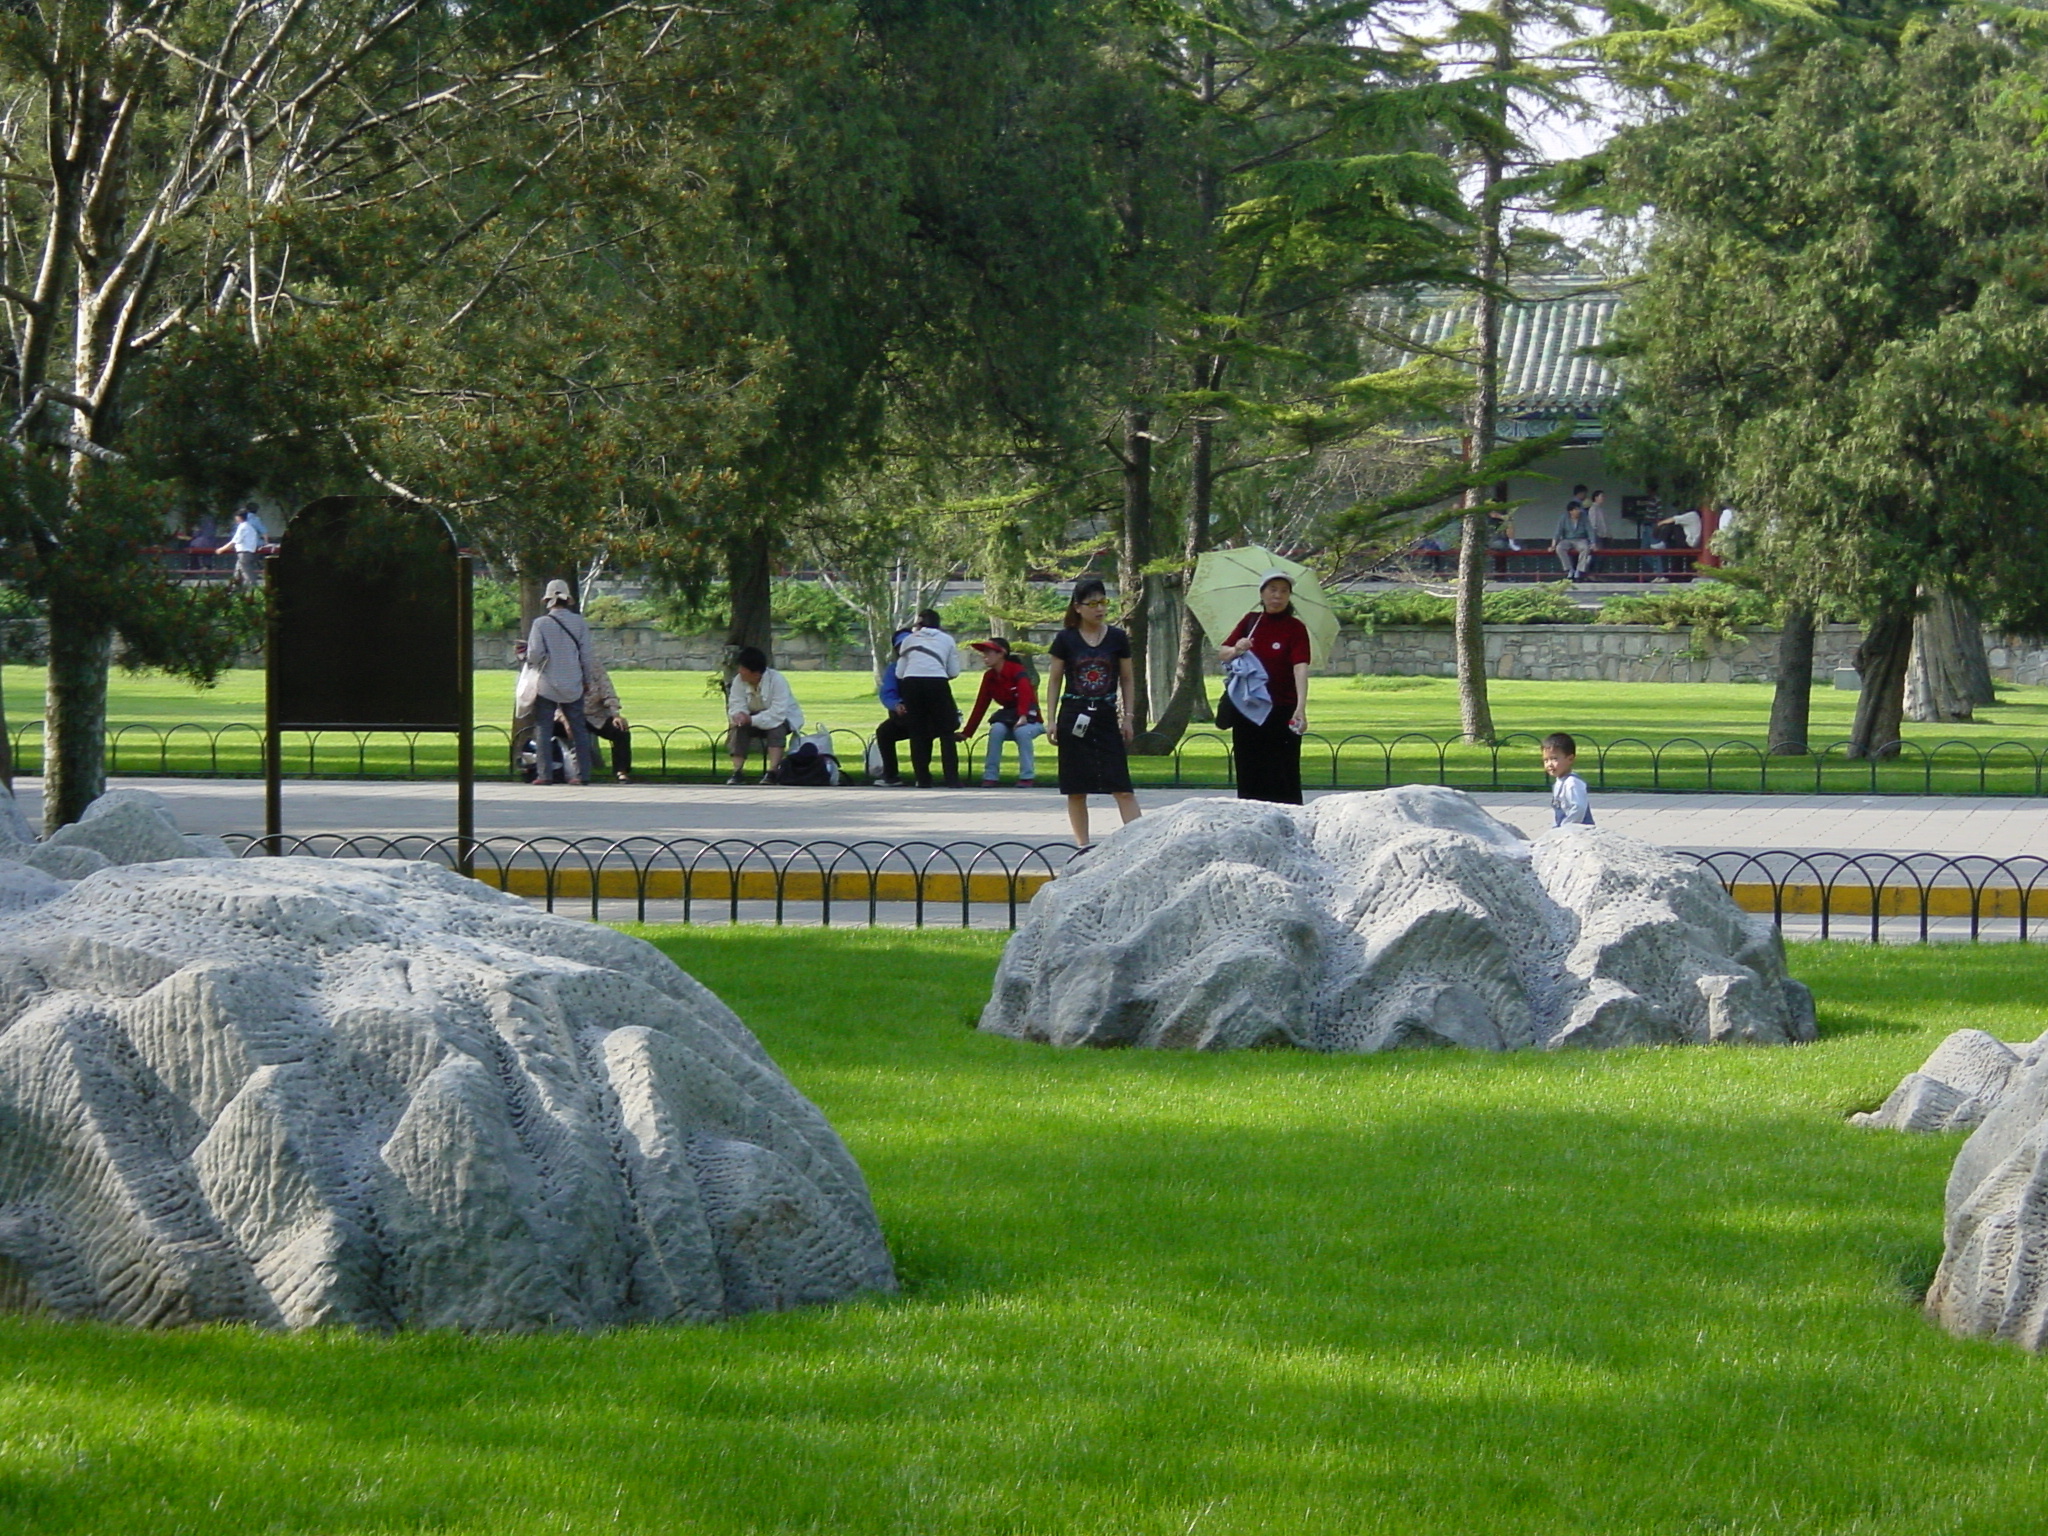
{"x": 1367, "y": 922}
{"x": 308, "y": 1091}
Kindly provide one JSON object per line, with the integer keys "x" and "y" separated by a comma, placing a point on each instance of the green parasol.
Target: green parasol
{"x": 1226, "y": 588}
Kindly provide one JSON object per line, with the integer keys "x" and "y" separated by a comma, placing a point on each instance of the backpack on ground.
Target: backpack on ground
{"x": 808, "y": 768}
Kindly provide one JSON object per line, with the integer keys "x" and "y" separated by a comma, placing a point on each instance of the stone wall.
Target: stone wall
{"x": 1615, "y": 653}
{"x": 1619, "y": 653}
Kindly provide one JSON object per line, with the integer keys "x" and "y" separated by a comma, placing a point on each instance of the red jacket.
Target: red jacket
{"x": 1007, "y": 686}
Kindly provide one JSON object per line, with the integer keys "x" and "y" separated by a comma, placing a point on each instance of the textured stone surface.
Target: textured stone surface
{"x": 306, "y": 1091}
{"x": 1955, "y": 1088}
{"x": 1366, "y": 922}
{"x": 1993, "y": 1280}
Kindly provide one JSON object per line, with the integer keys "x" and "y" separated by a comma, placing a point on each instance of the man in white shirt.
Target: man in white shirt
{"x": 760, "y": 707}
{"x": 246, "y": 543}
{"x": 927, "y": 661}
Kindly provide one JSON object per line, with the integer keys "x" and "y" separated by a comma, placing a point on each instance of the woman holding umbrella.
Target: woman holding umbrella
{"x": 1268, "y": 751}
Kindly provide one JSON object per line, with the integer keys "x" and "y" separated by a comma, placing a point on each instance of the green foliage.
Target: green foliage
{"x": 1714, "y": 611}
{"x": 494, "y": 605}
{"x": 1843, "y": 325}
{"x": 1547, "y": 604}
{"x": 608, "y": 612}
{"x": 23, "y": 639}
{"x": 686, "y": 614}
{"x": 967, "y": 615}
{"x": 807, "y": 608}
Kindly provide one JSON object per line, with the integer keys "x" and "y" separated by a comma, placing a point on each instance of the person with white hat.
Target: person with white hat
{"x": 558, "y": 649}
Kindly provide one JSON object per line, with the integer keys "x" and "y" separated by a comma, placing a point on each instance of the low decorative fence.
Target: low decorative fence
{"x": 1874, "y": 896}
{"x": 1359, "y": 760}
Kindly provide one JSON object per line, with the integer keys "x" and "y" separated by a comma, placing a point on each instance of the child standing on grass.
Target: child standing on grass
{"x": 1569, "y": 804}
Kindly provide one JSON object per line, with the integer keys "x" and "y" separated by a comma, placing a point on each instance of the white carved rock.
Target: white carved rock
{"x": 311, "y": 1091}
{"x": 1993, "y": 1279}
{"x": 1955, "y": 1088}
{"x": 1366, "y": 922}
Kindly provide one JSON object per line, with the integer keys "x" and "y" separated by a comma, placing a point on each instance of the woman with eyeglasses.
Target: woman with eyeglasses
{"x": 1089, "y": 688}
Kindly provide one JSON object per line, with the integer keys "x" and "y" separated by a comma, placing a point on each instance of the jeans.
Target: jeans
{"x": 576, "y": 768}
{"x": 1024, "y": 735}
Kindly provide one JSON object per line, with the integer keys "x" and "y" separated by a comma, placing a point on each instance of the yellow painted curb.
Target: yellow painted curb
{"x": 571, "y": 882}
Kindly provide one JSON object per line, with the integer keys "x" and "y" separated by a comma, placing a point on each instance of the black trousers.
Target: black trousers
{"x": 894, "y": 728}
{"x": 933, "y": 717}
{"x": 1268, "y": 760}
{"x": 621, "y": 745}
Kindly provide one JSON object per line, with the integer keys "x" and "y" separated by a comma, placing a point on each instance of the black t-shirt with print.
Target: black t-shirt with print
{"x": 1092, "y": 670}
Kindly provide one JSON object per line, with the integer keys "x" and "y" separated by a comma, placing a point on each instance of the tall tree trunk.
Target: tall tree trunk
{"x": 747, "y": 568}
{"x": 1949, "y": 675}
{"x": 1189, "y": 702}
{"x": 75, "y": 732}
{"x": 1792, "y": 702}
{"x": 1135, "y": 551}
{"x": 1880, "y": 707}
{"x": 1475, "y": 712}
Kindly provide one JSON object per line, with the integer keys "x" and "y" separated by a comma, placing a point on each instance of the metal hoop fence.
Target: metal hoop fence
{"x": 1879, "y": 897}
{"x": 1358, "y": 760}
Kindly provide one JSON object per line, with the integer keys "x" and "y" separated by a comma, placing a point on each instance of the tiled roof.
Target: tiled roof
{"x": 1544, "y": 333}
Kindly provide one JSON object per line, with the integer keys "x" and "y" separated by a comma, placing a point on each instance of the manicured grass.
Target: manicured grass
{"x": 1365, "y": 732}
{"x": 1641, "y": 1292}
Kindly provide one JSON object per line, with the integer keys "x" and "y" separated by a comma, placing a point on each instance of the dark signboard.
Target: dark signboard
{"x": 368, "y": 601}
{"x": 369, "y": 631}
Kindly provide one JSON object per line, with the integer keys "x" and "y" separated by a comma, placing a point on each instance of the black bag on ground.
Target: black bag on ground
{"x": 807, "y": 768}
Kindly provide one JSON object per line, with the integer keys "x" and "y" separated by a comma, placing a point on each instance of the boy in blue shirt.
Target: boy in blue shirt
{"x": 1569, "y": 805}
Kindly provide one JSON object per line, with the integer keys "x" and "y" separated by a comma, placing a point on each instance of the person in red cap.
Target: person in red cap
{"x": 1006, "y": 683}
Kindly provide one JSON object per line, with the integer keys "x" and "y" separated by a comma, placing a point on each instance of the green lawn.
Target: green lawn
{"x": 1641, "y": 1292}
{"x": 1365, "y": 732}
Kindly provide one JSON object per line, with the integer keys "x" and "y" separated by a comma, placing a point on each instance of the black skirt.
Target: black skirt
{"x": 1093, "y": 764}
{"x": 1268, "y": 760}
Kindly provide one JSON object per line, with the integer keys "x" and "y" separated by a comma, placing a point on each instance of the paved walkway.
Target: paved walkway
{"x": 1998, "y": 828}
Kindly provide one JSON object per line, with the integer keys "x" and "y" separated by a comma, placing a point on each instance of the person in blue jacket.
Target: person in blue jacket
{"x": 895, "y": 724}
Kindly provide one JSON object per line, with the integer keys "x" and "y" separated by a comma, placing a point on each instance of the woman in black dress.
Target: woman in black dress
{"x": 1268, "y": 753}
{"x": 1088, "y": 691}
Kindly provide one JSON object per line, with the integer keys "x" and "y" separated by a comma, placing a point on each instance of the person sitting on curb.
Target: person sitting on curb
{"x": 761, "y": 708}
{"x": 895, "y": 726}
{"x": 1006, "y": 684}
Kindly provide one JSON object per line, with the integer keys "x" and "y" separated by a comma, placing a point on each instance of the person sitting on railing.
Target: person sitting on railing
{"x": 1681, "y": 531}
{"x": 1574, "y": 542}
{"x": 761, "y": 709}
{"x": 1007, "y": 685}
{"x": 606, "y": 717}
{"x": 895, "y": 726}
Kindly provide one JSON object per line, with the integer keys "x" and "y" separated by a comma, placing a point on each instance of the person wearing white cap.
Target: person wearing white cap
{"x": 558, "y": 648}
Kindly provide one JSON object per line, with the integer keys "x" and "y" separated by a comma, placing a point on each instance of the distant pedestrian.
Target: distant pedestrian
{"x": 558, "y": 650}
{"x": 1089, "y": 689}
{"x": 760, "y": 708}
{"x": 926, "y": 663}
{"x": 1007, "y": 685}
{"x": 1570, "y": 806}
{"x": 1268, "y": 752}
{"x": 246, "y": 544}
